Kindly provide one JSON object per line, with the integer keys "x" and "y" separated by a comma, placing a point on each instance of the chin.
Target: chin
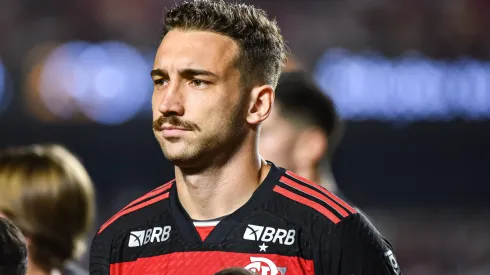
{"x": 174, "y": 158}
{"x": 191, "y": 161}
{"x": 178, "y": 155}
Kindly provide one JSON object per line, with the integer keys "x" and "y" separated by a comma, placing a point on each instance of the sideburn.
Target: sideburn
{"x": 237, "y": 122}
{"x": 239, "y": 115}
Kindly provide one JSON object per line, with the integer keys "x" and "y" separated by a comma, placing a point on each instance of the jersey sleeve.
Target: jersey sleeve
{"x": 354, "y": 246}
{"x": 100, "y": 253}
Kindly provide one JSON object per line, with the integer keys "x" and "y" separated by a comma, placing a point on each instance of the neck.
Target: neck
{"x": 219, "y": 190}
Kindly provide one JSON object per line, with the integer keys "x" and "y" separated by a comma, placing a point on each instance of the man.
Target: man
{"x": 13, "y": 249}
{"x": 214, "y": 76}
{"x": 302, "y": 130}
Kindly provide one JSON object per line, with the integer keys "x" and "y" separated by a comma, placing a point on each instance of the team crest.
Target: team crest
{"x": 264, "y": 266}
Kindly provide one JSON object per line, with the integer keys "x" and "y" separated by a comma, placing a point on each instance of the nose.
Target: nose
{"x": 172, "y": 102}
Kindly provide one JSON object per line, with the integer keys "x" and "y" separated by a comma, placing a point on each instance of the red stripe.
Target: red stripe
{"x": 152, "y": 193}
{"x": 315, "y": 194}
{"x": 210, "y": 262}
{"x": 307, "y": 202}
{"x": 323, "y": 190}
{"x": 132, "y": 209}
{"x": 164, "y": 185}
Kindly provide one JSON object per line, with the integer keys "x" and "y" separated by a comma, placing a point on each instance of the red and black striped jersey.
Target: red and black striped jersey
{"x": 289, "y": 226}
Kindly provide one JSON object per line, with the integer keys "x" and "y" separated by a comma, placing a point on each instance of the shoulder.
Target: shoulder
{"x": 138, "y": 210}
{"x": 356, "y": 235}
{"x": 356, "y": 246}
{"x": 305, "y": 197}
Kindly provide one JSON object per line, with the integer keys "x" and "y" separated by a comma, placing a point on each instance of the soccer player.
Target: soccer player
{"x": 13, "y": 249}
{"x": 214, "y": 76}
{"x": 303, "y": 129}
{"x": 48, "y": 194}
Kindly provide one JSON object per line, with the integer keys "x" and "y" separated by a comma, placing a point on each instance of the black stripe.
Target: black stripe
{"x": 311, "y": 198}
{"x": 320, "y": 189}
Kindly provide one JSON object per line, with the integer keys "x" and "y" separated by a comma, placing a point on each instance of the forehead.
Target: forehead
{"x": 200, "y": 49}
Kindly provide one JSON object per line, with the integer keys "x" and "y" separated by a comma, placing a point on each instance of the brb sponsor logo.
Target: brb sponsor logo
{"x": 269, "y": 234}
{"x": 264, "y": 266}
{"x": 155, "y": 234}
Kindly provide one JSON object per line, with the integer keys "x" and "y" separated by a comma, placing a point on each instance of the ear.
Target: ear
{"x": 260, "y": 105}
{"x": 310, "y": 147}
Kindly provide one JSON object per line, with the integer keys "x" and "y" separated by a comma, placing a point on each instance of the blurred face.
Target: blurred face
{"x": 198, "y": 108}
{"x": 277, "y": 140}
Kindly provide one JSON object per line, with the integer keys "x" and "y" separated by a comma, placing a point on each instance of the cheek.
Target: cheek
{"x": 156, "y": 101}
{"x": 220, "y": 112}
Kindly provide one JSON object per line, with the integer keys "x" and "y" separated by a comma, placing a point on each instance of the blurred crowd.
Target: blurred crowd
{"x": 444, "y": 29}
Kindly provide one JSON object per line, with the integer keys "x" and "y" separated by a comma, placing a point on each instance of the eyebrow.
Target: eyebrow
{"x": 188, "y": 72}
{"x": 157, "y": 72}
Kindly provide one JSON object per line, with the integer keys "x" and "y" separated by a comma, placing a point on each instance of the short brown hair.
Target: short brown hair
{"x": 262, "y": 47}
{"x": 49, "y": 195}
{"x": 13, "y": 249}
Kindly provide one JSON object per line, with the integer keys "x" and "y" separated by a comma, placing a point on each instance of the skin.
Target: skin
{"x": 206, "y": 123}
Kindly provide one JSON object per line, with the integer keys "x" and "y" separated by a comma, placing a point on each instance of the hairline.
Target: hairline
{"x": 239, "y": 61}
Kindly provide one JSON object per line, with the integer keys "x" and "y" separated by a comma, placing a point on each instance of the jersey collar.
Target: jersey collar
{"x": 187, "y": 229}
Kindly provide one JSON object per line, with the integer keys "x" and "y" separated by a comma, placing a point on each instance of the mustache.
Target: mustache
{"x": 174, "y": 121}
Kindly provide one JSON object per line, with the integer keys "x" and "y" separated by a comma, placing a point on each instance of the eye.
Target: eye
{"x": 159, "y": 82}
{"x": 199, "y": 83}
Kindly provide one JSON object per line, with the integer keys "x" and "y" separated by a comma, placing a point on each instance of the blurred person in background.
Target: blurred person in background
{"x": 302, "y": 130}
{"x": 13, "y": 249}
{"x": 214, "y": 77}
{"x": 48, "y": 194}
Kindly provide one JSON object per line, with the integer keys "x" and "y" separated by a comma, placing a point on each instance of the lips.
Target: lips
{"x": 163, "y": 128}
{"x": 172, "y": 131}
